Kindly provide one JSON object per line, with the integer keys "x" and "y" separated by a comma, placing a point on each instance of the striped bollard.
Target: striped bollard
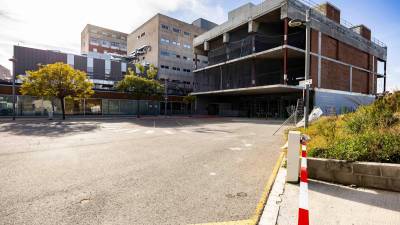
{"x": 303, "y": 196}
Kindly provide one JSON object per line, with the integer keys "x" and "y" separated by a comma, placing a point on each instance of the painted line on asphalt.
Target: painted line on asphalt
{"x": 261, "y": 203}
{"x": 238, "y": 222}
{"x": 149, "y": 132}
{"x": 264, "y": 197}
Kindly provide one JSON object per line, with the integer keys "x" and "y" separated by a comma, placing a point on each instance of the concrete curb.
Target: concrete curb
{"x": 384, "y": 176}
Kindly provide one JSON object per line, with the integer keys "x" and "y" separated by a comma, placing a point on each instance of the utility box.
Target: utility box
{"x": 293, "y": 157}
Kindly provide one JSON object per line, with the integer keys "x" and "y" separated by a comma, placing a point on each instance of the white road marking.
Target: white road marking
{"x": 235, "y": 149}
{"x": 149, "y": 132}
{"x": 248, "y": 145}
{"x": 168, "y": 132}
{"x": 185, "y": 131}
{"x": 132, "y": 131}
{"x": 212, "y": 174}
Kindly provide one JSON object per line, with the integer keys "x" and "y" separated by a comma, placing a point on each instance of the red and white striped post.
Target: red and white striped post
{"x": 303, "y": 196}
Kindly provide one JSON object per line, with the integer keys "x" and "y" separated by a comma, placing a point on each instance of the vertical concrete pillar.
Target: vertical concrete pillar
{"x": 195, "y": 61}
{"x": 293, "y": 157}
{"x": 351, "y": 78}
{"x": 384, "y": 78}
{"x": 253, "y": 72}
{"x": 319, "y": 58}
{"x": 285, "y": 50}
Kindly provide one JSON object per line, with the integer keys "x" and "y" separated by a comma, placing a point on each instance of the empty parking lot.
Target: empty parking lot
{"x": 134, "y": 171}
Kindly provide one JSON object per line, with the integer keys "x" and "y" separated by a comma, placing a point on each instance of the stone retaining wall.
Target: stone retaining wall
{"x": 364, "y": 174}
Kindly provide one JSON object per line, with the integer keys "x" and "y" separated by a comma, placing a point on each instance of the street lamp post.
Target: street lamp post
{"x": 307, "y": 68}
{"x": 297, "y": 23}
{"x": 13, "y": 60}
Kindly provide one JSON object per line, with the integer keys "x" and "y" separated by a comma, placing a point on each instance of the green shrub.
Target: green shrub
{"x": 372, "y": 133}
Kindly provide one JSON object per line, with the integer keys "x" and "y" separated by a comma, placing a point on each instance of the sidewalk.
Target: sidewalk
{"x": 331, "y": 204}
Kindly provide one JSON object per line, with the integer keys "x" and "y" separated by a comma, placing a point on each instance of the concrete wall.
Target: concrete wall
{"x": 364, "y": 174}
{"x": 151, "y": 37}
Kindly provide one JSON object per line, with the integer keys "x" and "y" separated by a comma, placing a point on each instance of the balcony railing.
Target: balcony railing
{"x": 246, "y": 46}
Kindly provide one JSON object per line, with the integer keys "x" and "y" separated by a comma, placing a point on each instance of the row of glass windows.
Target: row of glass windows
{"x": 169, "y": 42}
{"x": 104, "y": 33}
{"x": 166, "y": 53}
{"x": 175, "y": 68}
{"x": 174, "y": 29}
{"x": 108, "y": 44}
{"x": 33, "y": 106}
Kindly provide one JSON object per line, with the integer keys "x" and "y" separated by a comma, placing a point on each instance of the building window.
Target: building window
{"x": 107, "y": 66}
{"x": 178, "y": 56}
{"x": 164, "y": 53}
{"x": 164, "y": 41}
{"x": 94, "y": 41}
{"x": 165, "y": 27}
{"x": 186, "y": 33}
{"x": 164, "y": 67}
{"x": 205, "y": 62}
{"x": 186, "y": 46}
{"x": 90, "y": 66}
{"x": 176, "y": 30}
{"x": 70, "y": 60}
{"x": 113, "y": 35}
{"x": 105, "y": 43}
{"x": 123, "y": 67}
{"x": 123, "y": 38}
{"x": 94, "y": 49}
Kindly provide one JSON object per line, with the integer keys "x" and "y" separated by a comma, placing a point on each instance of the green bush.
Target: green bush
{"x": 372, "y": 133}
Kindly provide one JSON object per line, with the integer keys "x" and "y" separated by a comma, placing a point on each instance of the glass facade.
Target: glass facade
{"x": 33, "y": 106}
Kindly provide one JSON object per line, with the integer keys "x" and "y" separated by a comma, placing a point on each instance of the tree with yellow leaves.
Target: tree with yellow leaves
{"x": 58, "y": 80}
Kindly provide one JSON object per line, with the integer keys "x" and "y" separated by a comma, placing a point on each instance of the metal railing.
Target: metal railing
{"x": 344, "y": 22}
{"x": 244, "y": 47}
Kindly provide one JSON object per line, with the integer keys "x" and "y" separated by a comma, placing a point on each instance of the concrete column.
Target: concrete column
{"x": 384, "y": 78}
{"x": 225, "y": 38}
{"x": 293, "y": 157}
{"x": 319, "y": 58}
{"x": 195, "y": 61}
{"x": 351, "y": 78}
{"x": 285, "y": 50}
{"x": 253, "y": 26}
{"x": 206, "y": 46}
{"x": 253, "y": 72}
{"x": 373, "y": 74}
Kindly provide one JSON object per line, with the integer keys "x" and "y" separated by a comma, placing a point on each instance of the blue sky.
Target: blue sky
{"x": 58, "y": 25}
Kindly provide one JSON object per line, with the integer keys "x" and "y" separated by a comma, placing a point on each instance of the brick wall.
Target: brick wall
{"x": 337, "y": 76}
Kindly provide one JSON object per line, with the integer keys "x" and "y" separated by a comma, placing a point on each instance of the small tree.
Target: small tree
{"x": 139, "y": 87}
{"x": 141, "y": 68}
{"x": 189, "y": 99}
{"x": 152, "y": 72}
{"x": 58, "y": 80}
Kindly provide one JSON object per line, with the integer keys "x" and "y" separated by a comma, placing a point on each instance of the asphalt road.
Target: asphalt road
{"x": 129, "y": 171}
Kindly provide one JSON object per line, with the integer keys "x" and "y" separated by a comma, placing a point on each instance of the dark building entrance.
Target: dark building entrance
{"x": 273, "y": 106}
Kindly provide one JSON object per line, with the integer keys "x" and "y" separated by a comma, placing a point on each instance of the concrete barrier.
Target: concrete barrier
{"x": 384, "y": 176}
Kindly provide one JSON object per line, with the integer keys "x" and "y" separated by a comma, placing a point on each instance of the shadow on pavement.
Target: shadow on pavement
{"x": 379, "y": 198}
{"x": 49, "y": 129}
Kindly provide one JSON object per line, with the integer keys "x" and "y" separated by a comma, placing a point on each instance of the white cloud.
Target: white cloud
{"x": 56, "y": 24}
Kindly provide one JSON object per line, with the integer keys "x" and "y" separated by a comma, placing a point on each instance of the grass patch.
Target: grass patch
{"x": 372, "y": 133}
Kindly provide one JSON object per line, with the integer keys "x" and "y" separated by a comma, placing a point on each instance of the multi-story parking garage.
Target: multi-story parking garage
{"x": 256, "y": 61}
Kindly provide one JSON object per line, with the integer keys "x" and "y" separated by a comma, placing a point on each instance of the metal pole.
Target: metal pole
{"x": 307, "y": 68}
{"x": 13, "y": 86}
{"x": 166, "y": 97}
